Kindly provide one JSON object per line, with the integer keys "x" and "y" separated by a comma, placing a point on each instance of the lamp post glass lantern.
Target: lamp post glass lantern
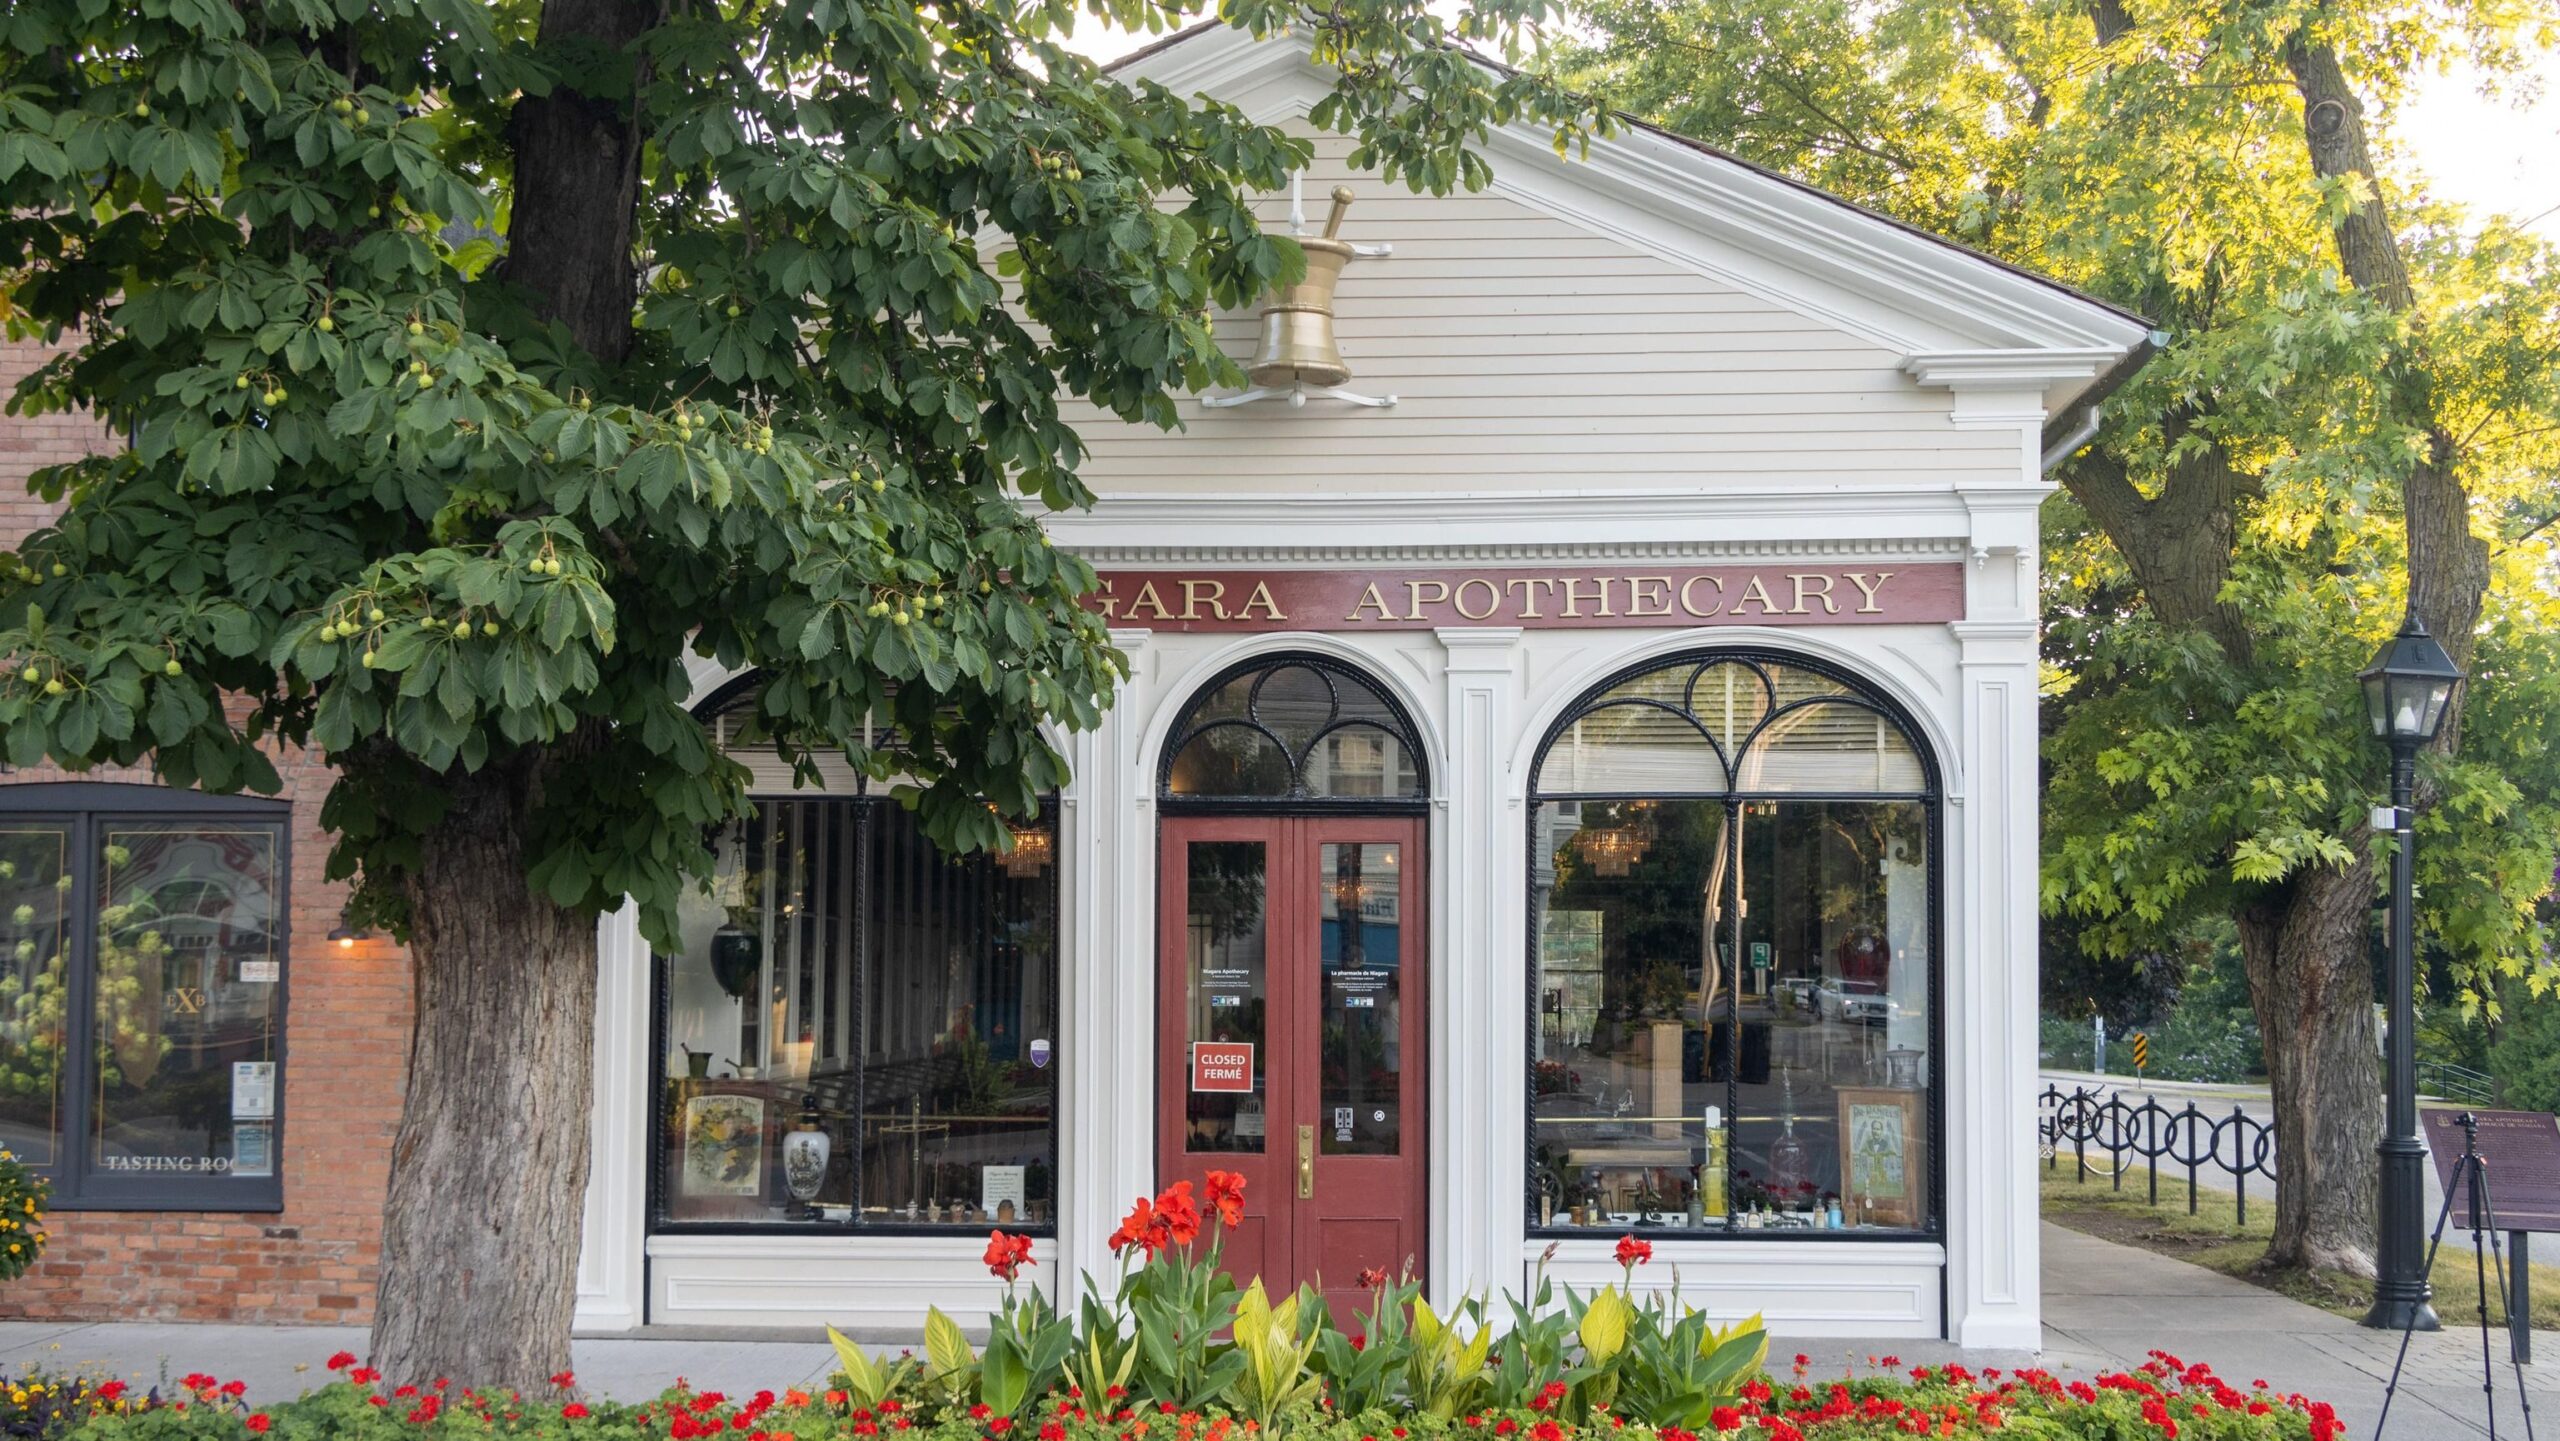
{"x": 2407, "y": 691}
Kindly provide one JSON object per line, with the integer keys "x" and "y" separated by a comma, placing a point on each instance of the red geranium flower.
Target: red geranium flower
{"x": 342, "y": 1360}
{"x": 259, "y": 1423}
{"x": 573, "y": 1412}
{"x": 564, "y": 1379}
{"x": 1633, "y": 1253}
{"x": 1226, "y": 1193}
{"x": 1007, "y": 1255}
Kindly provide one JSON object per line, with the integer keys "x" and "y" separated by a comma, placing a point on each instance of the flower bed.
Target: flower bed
{"x": 1176, "y": 1351}
{"x": 2166, "y": 1399}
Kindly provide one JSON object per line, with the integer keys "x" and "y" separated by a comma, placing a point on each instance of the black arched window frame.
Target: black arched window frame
{"x": 1335, "y": 674}
{"x": 1861, "y": 694}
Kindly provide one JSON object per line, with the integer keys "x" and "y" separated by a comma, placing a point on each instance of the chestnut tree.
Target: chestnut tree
{"x": 484, "y": 360}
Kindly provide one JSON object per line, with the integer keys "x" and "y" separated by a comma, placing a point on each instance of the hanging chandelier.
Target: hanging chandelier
{"x": 1032, "y": 851}
{"x": 1612, "y": 850}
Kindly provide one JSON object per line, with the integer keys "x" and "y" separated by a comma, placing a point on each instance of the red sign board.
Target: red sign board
{"x": 1221, "y": 1066}
{"x": 1538, "y": 598}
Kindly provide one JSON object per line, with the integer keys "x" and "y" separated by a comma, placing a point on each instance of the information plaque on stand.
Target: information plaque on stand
{"x": 2522, "y": 1153}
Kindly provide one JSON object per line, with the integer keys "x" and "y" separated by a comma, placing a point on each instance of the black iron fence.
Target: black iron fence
{"x": 2105, "y": 1133}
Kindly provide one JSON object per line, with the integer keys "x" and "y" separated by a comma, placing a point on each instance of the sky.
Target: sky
{"x": 2492, "y": 155}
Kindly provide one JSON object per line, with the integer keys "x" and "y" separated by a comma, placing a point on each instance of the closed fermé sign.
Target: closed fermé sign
{"x": 1221, "y": 1066}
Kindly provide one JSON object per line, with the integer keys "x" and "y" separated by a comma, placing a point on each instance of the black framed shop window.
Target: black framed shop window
{"x": 1734, "y": 1016}
{"x": 858, "y": 1031}
{"x": 143, "y": 946}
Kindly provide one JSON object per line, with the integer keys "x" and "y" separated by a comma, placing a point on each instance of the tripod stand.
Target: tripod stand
{"x": 2471, "y": 1180}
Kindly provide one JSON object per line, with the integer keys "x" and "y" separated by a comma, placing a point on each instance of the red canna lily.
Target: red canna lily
{"x": 1226, "y": 1194}
{"x": 1632, "y": 1252}
{"x": 1138, "y": 1230}
{"x": 1007, "y": 1255}
{"x": 1178, "y": 1214}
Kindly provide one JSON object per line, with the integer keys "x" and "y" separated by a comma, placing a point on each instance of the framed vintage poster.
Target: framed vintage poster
{"x": 1884, "y": 1165}
{"x": 721, "y": 1136}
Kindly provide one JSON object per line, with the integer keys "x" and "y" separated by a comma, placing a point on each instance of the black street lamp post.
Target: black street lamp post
{"x": 2407, "y": 690}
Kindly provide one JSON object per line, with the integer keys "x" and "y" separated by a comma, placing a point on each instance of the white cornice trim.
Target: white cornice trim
{"x": 1762, "y": 522}
{"x": 2032, "y": 369}
{"x": 1902, "y": 290}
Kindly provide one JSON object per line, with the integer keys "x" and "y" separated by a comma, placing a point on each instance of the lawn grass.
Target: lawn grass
{"x": 2216, "y": 1239}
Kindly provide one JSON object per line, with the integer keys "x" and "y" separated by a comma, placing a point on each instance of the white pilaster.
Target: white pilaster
{"x": 610, "y": 1266}
{"x": 1993, "y": 1294}
{"x": 1479, "y": 984}
{"x": 1992, "y": 1290}
{"x": 1106, "y": 1141}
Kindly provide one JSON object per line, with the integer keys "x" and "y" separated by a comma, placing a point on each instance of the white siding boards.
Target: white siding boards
{"x": 1528, "y": 353}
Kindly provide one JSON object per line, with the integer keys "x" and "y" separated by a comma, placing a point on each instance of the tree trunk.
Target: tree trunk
{"x": 577, "y": 172}
{"x": 489, "y": 1175}
{"x": 2311, "y": 988}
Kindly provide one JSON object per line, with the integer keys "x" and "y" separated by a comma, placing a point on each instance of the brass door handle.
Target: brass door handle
{"x": 1306, "y": 1163}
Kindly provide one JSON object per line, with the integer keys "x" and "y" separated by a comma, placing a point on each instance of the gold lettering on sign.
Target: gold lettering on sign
{"x": 1196, "y": 591}
{"x": 1492, "y": 598}
{"x": 1370, "y": 598}
{"x": 1654, "y": 601}
{"x": 1689, "y": 602}
{"x": 1868, "y": 588}
{"x": 1146, "y": 599}
{"x": 1415, "y": 600}
{"x": 1757, "y": 590}
{"x": 1817, "y": 586}
{"x": 1528, "y": 588}
{"x": 1573, "y": 596}
{"x": 1261, "y": 597}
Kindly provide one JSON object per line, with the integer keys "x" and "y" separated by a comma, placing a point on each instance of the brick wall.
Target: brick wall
{"x": 346, "y": 1038}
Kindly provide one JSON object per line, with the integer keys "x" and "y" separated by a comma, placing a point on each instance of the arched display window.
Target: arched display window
{"x": 1733, "y": 948}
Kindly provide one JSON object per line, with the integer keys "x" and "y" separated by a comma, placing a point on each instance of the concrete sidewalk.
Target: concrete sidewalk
{"x": 2106, "y": 1307}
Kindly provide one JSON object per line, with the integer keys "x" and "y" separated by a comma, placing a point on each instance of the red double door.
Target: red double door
{"x": 1292, "y": 1024}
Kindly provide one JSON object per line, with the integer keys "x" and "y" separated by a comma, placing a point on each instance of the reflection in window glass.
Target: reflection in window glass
{"x": 886, "y": 1060}
{"x": 1834, "y": 972}
{"x": 1361, "y": 908}
{"x": 1621, "y": 1093}
{"x": 185, "y": 1005}
{"x": 1733, "y": 991}
{"x": 35, "y": 894}
{"x": 1228, "y": 884}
